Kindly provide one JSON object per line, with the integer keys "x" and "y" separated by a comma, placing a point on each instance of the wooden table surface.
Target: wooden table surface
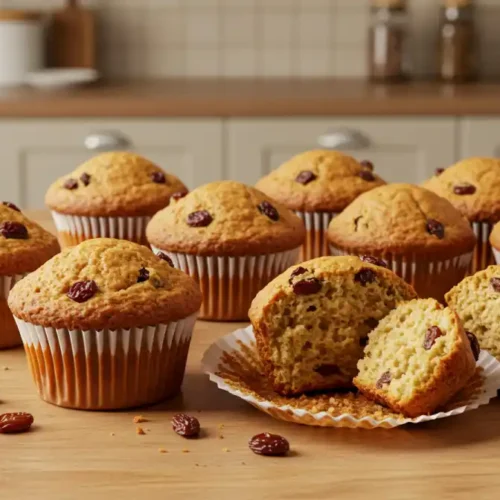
{"x": 254, "y": 98}
{"x": 90, "y": 455}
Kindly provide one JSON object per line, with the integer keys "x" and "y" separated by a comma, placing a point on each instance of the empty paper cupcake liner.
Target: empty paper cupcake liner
{"x": 229, "y": 284}
{"x": 73, "y": 229}
{"x": 316, "y": 243}
{"x": 107, "y": 369}
{"x": 232, "y": 362}
{"x": 483, "y": 254}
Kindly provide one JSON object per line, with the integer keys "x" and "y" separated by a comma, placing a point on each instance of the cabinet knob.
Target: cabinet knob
{"x": 107, "y": 141}
{"x": 344, "y": 139}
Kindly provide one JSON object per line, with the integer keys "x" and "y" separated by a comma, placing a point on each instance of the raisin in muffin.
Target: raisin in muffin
{"x": 473, "y": 187}
{"x": 317, "y": 185}
{"x": 24, "y": 246}
{"x": 495, "y": 242}
{"x": 416, "y": 359}
{"x": 477, "y": 301}
{"x": 312, "y": 321}
{"x": 106, "y": 325}
{"x": 112, "y": 195}
{"x": 421, "y": 236}
{"x": 230, "y": 238}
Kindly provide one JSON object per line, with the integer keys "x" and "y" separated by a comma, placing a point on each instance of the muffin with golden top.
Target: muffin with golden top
{"x": 472, "y": 186}
{"x": 495, "y": 242}
{"x": 24, "y": 246}
{"x": 106, "y": 325}
{"x": 112, "y": 195}
{"x": 318, "y": 185}
{"x": 232, "y": 239}
{"x": 420, "y": 236}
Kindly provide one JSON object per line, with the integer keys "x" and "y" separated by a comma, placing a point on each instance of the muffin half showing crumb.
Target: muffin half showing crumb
{"x": 416, "y": 359}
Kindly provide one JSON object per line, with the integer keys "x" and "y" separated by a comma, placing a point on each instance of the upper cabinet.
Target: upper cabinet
{"x": 402, "y": 149}
{"x": 36, "y": 152}
{"x": 479, "y": 137}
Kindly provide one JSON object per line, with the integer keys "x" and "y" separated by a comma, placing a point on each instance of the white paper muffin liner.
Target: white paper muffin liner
{"x": 85, "y": 228}
{"x": 229, "y": 284}
{"x": 107, "y": 369}
{"x": 215, "y": 361}
{"x": 483, "y": 252}
{"x": 316, "y": 223}
{"x": 9, "y": 335}
{"x": 496, "y": 253}
{"x": 6, "y": 284}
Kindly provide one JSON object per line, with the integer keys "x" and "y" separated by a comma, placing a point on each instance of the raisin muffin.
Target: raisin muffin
{"x": 106, "y": 325}
{"x": 495, "y": 242}
{"x": 318, "y": 185}
{"x": 230, "y": 238}
{"x": 24, "y": 246}
{"x": 421, "y": 236}
{"x": 112, "y": 195}
{"x": 416, "y": 359}
{"x": 477, "y": 301}
{"x": 473, "y": 187}
{"x": 311, "y": 322}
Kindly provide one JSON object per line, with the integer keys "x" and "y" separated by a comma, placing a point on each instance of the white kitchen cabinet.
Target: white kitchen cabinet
{"x": 479, "y": 137}
{"x": 402, "y": 149}
{"x": 36, "y": 152}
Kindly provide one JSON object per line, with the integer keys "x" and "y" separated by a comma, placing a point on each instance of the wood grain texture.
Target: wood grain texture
{"x": 250, "y": 98}
{"x": 73, "y": 455}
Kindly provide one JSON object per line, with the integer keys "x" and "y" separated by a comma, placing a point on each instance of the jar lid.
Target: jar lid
{"x": 19, "y": 15}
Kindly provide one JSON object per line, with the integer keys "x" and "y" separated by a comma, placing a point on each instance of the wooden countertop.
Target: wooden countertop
{"x": 254, "y": 98}
{"x": 80, "y": 455}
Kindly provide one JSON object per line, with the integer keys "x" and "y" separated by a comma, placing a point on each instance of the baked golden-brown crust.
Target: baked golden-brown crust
{"x": 484, "y": 174}
{"x": 495, "y": 237}
{"x": 120, "y": 302}
{"x": 395, "y": 218}
{"x": 237, "y": 228}
{"x": 19, "y": 256}
{"x": 120, "y": 184}
{"x": 337, "y": 183}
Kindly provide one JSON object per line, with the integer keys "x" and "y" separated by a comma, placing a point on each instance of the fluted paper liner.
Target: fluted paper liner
{"x": 497, "y": 255}
{"x": 233, "y": 364}
{"x": 483, "y": 255}
{"x": 107, "y": 369}
{"x": 229, "y": 284}
{"x": 9, "y": 335}
{"x": 316, "y": 244}
{"x": 73, "y": 229}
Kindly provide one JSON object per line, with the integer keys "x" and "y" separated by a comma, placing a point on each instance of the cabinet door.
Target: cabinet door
{"x": 36, "y": 152}
{"x": 402, "y": 149}
{"x": 479, "y": 137}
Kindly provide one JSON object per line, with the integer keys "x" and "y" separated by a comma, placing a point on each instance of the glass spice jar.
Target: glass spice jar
{"x": 388, "y": 40}
{"x": 457, "y": 41}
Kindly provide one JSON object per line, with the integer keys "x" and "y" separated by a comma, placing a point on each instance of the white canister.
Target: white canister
{"x": 21, "y": 45}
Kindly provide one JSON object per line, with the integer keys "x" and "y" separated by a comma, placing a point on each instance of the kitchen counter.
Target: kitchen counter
{"x": 81, "y": 455}
{"x": 254, "y": 98}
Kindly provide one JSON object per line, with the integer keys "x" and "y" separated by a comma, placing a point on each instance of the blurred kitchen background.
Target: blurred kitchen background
{"x": 230, "y": 88}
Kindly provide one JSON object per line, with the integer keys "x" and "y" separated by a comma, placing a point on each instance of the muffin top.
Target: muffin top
{"x": 225, "y": 218}
{"x": 114, "y": 184}
{"x": 319, "y": 181}
{"x": 472, "y": 186}
{"x": 402, "y": 219}
{"x": 104, "y": 283}
{"x": 24, "y": 245}
{"x": 495, "y": 236}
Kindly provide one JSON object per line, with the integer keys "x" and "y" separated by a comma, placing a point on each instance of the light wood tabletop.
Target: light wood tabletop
{"x": 91, "y": 455}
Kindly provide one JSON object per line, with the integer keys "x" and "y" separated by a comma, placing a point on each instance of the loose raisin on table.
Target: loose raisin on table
{"x": 474, "y": 345}
{"x": 11, "y": 205}
{"x": 366, "y": 175}
{"x": 365, "y": 276}
{"x": 433, "y": 333}
{"x": 375, "y": 261}
{"x": 11, "y": 423}
{"x": 384, "y": 379}
{"x": 297, "y": 272}
{"x": 166, "y": 258}
{"x": 306, "y": 287}
{"x": 158, "y": 177}
{"x": 179, "y": 194}
{"x": 305, "y": 177}
{"x": 81, "y": 291}
{"x": 85, "y": 178}
{"x": 14, "y": 230}
{"x": 366, "y": 164}
{"x": 495, "y": 284}
{"x": 267, "y": 209}
{"x": 269, "y": 444}
{"x": 186, "y": 425}
{"x": 435, "y": 228}
{"x": 464, "y": 189}
{"x": 201, "y": 218}
{"x": 70, "y": 184}
{"x": 143, "y": 275}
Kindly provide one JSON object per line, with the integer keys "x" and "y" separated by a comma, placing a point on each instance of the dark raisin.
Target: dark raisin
{"x": 85, "y": 178}
{"x": 311, "y": 309}
{"x": 433, "y": 333}
{"x": 269, "y": 444}
{"x": 328, "y": 370}
{"x": 305, "y": 177}
{"x": 307, "y": 345}
{"x": 81, "y": 291}
{"x": 366, "y": 175}
{"x": 307, "y": 287}
{"x": 495, "y": 284}
{"x": 365, "y": 276}
{"x": 158, "y": 177}
{"x": 366, "y": 164}
{"x": 267, "y": 209}
{"x": 297, "y": 272}
{"x": 143, "y": 275}
{"x": 179, "y": 194}
{"x": 14, "y": 423}
{"x": 201, "y": 218}
{"x": 439, "y": 171}
{"x": 375, "y": 261}
{"x": 11, "y": 205}
{"x": 70, "y": 184}
{"x": 371, "y": 323}
{"x": 13, "y": 230}
{"x": 474, "y": 345}
{"x": 435, "y": 228}
{"x": 166, "y": 258}
{"x": 186, "y": 425}
{"x": 384, "y": 379}
{"x": 464, "y": 189}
